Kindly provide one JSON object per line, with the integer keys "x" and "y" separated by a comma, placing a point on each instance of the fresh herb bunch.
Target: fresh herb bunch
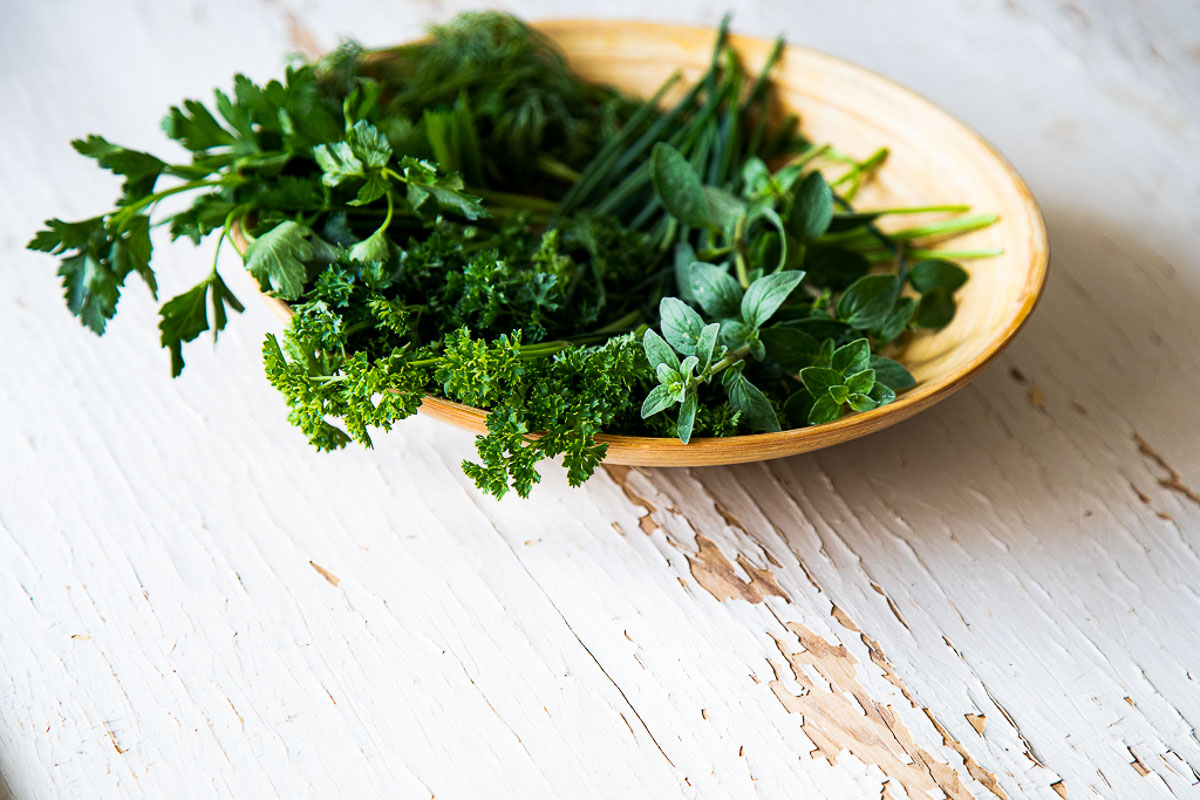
{"x": 464, "y": 217}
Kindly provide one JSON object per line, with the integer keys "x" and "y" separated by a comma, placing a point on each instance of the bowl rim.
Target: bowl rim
{"x": 848, "y": 427}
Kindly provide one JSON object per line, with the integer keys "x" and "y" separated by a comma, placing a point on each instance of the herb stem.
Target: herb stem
{"x": 877, "y": 256}
{"x": 515, "y": 201}
{"x": 557, "y": 169}
{"x": 730, "y": 359}
{"x": 739, "y": 248}
{"x": 126, "y": 212}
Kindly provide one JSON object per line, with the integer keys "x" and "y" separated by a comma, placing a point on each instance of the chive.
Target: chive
{"x": 952, "y": 255}
{"x": 592, "y": 173}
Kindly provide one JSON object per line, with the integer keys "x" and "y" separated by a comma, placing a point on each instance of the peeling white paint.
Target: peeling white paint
{"x": 193, "y": 604}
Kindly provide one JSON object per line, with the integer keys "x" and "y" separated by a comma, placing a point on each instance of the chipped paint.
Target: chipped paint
{"x": 620, "y": 475}
{"x": 716, "y": 574}
{"x": 324, "y": 573}
{"x": 841, "y": 716}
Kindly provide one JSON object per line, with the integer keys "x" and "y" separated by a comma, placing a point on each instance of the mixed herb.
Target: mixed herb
{"x": 464, "y": 217}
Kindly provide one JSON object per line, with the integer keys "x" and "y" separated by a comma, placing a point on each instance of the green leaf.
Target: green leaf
{"x": 936, "y": 308}
{"x": 660, "y": 398}
{"x": 882, "y": 394}
{"x": 369, "y": 145}
{"x": 756, "y": 177}
{"x": 184, "y": 317}
{"x": 866, "y": 304}
{"x": 934, "y": 273}
{"x": 840, "y": 394}
{"x": 767, "y": 294}
{"x": 736, "y": 334}
{"x": 861, "y": 382}
{"x": 141, "y": 170}
{"x": 373, "y": 248}
{"x": 685, "y": 257}
{"x": 818, "y": 380}
{"x": 59, "y": 236}
{"x": 275, "y": 259}
{"x": 852, "y": 357}
{"x": 687, "y": 417}
{"x": 424, "y": 183}
{"x": 338, "y": 163}
{"x": 658, "y": 351}
{"x": 861, "y": 402}
{"x": 826, "y": 409}
{"x": 892, "y": 374}
{"x": 756, "y": 409}
{"x": 238, "y": 116}
{"x": 789, "y": 348}
{"x": 222, "y": 297}
{"x": 724, "y": 208}
{"x": 835, "y": 268}
{"x": 91, "y": 288}
{"x": 896, "y": 320}
{"x": 131, "y": 252}
{"x": 681, "y": 325}
{"x": 796, "y": 407}
{"x": 361, "y": 100}
{"x": 375, "y": 187}
{"x": 768, "y": 213}
{"x": 679, "y": 187}
{"x": 706, "y": 344}
{"x": 717, "y": 292}
{"x": 668, "y": 375}
{"x": 822, "y": 328}
{"x": 812, "y": 210}
{"x": 195, "y": 127}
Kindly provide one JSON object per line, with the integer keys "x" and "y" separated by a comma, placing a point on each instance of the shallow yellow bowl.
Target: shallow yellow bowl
{"x": 934, "y": 159}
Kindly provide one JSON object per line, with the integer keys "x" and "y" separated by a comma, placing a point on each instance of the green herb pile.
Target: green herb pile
{"x": 463, "y": 217}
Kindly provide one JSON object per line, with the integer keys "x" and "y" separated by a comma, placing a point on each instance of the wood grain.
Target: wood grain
{"x": 1013, "y": 555}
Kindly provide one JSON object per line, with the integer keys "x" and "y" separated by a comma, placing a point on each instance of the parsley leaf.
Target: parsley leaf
{"x": 276, "y": 259}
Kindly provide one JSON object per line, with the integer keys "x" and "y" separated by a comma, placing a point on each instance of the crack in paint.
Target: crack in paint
{"x": 1173, "y": 480}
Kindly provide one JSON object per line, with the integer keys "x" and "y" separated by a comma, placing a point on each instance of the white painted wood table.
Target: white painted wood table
{"x": 998, "y": 598}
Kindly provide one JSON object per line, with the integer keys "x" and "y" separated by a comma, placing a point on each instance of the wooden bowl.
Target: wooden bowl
{"x": 934, "y": 159}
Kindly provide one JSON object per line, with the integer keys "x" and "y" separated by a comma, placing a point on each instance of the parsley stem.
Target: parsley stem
{"x": 387, "y": 220}
{"x": 126, "y": 212}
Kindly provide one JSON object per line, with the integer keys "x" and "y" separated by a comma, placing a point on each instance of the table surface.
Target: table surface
{"x": 999, "y": 598}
